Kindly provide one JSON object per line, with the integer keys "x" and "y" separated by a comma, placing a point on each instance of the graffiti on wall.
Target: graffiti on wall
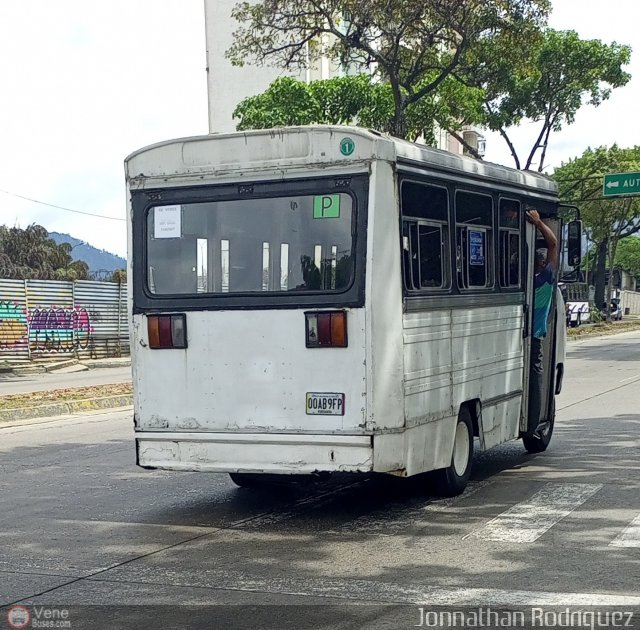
{"x": 44, "y": 329}
{"x": 59, "y": 329}
{"x": 14, "y": 326}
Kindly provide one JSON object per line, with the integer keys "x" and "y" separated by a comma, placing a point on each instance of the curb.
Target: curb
{"x": 65, "y": 408}
{"x": 28, "y": 369}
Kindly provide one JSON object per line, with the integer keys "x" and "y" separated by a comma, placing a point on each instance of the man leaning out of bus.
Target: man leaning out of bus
{"x": 545, "y": 271}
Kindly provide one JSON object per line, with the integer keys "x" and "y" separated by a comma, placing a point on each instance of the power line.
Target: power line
{"x": 51, "y": 205}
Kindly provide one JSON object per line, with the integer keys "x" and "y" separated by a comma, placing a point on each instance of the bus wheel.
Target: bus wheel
{"x": 538, "y": 442}
{"x": 245, "y": 480}
{"x": 453, "y": 480}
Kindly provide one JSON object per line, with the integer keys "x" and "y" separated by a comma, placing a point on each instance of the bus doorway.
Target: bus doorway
{"x": 540, "y": 356}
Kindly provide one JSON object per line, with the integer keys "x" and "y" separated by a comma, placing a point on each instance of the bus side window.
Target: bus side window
{"x": 509, "y": 252}
{"x": 474, "y": 242}
{"x": 425, "y": 243}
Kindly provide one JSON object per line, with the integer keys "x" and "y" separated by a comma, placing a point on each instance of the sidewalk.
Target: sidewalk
{"x": 45, "y": 390}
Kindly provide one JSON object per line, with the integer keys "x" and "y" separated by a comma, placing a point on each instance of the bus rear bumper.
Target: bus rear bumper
{"x": 254, "y": 452}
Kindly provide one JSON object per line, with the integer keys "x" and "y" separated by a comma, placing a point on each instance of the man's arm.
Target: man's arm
{"x": 548, "y": 235}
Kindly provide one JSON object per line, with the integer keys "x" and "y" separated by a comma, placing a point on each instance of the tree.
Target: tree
{"x": 119, "y": 276}
{"x": 545, "y": 79}
{"x": 606, "y": 220}
{"x": 30, "y": 253}
{"x": 628, "y": 255}
{"x": 355, "y": 100}
{"x": 412, "y": 46}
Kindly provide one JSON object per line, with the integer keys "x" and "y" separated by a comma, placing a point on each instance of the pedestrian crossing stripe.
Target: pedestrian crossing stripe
{"x": 630, "y": 536}
{"x": 526, "y": 521}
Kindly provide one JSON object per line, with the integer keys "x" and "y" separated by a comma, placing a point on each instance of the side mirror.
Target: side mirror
{"x": 574, "y": 243}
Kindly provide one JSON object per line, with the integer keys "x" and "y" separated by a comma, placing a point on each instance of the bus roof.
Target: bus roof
{"x": 307, "y": 146}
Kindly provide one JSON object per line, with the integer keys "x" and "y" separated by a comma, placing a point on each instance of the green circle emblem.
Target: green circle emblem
{"x": 347, "y": 146}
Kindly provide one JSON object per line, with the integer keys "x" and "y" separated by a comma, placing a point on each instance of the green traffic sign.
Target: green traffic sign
{"x": 621, "y": 184}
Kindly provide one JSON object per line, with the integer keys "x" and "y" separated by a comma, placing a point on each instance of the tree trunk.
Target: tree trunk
{"x": 599, "y": 272}
{"x": 399, "y": 123}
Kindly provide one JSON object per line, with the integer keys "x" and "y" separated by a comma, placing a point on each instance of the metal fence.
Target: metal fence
{"x": 44, "y": 319}
{"x": 630, "y": 300}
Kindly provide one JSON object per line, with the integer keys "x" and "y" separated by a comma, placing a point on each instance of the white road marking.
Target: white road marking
{"x": 528, "y": 520}
{"x": 630, "y": 536}
{"x": 630, "y": 378}
{"x": 378, "y": 592}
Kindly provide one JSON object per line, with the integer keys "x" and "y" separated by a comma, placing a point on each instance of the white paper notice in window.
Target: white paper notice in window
{"x": 166, "y": 222}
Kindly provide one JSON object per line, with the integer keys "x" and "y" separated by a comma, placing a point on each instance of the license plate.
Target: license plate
{"x": 325, "y": 404}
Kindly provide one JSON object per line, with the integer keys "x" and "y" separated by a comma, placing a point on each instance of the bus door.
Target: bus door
{"x": 527, "y": 331}
{"x": 534, "y": 241}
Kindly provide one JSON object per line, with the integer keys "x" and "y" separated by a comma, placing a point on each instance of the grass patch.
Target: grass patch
{"x": 602, "y": 328}
{"x": 37, "y": 399}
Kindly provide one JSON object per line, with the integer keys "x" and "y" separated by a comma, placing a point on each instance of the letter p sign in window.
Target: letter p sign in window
{"x": 326, "y": 207}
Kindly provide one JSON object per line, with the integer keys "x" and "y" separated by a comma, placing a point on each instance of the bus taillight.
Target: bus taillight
{"x": 167, "y": 331}
{"x": 326, "y": 330}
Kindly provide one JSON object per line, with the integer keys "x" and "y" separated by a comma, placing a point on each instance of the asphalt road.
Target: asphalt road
{"x": 80, "y": 525}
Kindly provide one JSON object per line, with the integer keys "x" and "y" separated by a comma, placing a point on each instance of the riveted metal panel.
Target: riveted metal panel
{"x": 100, "y": 305}
{"x": 14, "y": 324}
{"x": 50, "y": 312}
{"x": 42, "y": 320}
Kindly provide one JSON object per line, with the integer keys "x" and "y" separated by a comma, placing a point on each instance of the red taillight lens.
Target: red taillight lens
{"x": 164, "y": 323}
{"x": 167, "y": 331}
{"x": 326, "y": 330}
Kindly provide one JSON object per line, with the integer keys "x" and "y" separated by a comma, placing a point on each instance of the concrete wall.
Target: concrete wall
{"x": 226, "y": 84}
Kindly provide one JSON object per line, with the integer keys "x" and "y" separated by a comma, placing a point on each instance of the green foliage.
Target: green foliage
{"x": 628, "y": 255}
{"x": 545, "y": 77}
{"x": 413, "y": 47}
{"x": 30, "y": 253}
{"x": 580, "y": 182}
{"x": 596, "y": 315}
{"x": 606, "y": 220}
{"x": 355, "y": 100}
{"x": 491, "y": 63}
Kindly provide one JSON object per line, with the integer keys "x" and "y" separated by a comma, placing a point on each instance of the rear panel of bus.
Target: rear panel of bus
{"x": 249, "y": 325}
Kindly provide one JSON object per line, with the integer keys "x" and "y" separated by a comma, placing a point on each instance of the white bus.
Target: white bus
{"x": 576, "y": 298}
{"x": 325, "y": 299}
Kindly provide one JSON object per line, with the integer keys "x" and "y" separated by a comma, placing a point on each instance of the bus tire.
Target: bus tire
{"x": 451, "y": 481}
{"x": 538, "y": 442}
{"x": 245, "y": 480}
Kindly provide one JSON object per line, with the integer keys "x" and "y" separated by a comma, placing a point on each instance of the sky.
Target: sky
{"x": 85, "y": 83}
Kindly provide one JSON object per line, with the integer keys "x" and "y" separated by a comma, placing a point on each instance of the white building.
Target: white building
{"x": 227, "y": 85}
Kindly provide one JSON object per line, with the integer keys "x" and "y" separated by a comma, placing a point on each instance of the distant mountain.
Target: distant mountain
{"x": 97, "y": 259}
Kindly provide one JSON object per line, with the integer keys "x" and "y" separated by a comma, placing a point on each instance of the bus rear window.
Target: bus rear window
{"x": 278, "y": 244}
